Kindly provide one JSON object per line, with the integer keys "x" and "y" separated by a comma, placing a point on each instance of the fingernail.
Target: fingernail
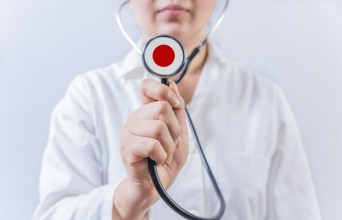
{"x": 173, "y": 100}
{"x": 169, "y": 160}
{"x": 177, "y": 141}
{"x": 173, "y": 86}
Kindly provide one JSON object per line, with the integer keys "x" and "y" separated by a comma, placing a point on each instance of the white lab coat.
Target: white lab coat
{"x": 243, "y": 120}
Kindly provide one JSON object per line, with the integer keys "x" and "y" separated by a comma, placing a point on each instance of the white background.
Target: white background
{"x": 44, "y": 44}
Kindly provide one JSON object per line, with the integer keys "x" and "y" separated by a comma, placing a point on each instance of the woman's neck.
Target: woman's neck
{"x": 199, "y": 60}
{"x": 188, "y": 84}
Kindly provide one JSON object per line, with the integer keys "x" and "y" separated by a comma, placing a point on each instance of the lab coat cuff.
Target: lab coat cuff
{"x": 107, "y": 211}
{"x": 147, "y": 215}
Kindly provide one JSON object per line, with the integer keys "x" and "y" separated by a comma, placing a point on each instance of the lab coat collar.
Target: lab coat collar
{"x": 215, "y": 55}
{"x": 132, "y": 64}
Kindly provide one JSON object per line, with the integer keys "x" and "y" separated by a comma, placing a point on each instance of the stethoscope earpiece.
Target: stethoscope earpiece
{"x": 163, "y": 56}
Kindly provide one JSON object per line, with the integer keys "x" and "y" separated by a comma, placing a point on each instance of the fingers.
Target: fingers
{"x": 158, "y": 130}
{"x": 152, "y": 90}
{"x": 136, "y": 147}
{"x": 159, "y": 111}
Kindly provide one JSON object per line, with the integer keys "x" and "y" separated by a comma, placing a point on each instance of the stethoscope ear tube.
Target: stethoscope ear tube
{"x": 135, "y": 46}
{"x": 165, "y": 196}
{"x": 187, "y": 63}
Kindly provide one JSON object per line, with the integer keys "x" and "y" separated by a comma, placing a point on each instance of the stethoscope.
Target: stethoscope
{"x": 163, "y": 56}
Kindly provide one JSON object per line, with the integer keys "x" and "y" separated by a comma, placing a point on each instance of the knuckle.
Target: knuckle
{"x": 145, "y": 89}
{"x": 163, "y": 107}
{"x": 142, "y": 91}
{"x": 123, "y": 141}
{"x": 159, "y": 128}
{"x": 153, "y": 144}
{"x": 125, "y": 149}
{"x": 128, "y": 160}
{"x": 178, "y": 131}
{"x": 143, "y": 85}
{"x": 126, "y": 126}
{"x": 123, "y": 152}
{"x": 182, "y": 102}
{"x": 134, "y": 114}
{"x": 163, "y": 93}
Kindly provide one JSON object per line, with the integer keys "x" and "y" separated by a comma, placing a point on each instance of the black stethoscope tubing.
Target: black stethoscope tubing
{"x": 170, "y": 202}
{"x": 153, "y": 167}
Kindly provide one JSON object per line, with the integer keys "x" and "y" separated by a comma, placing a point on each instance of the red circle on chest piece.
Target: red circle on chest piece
{"x": 163, "y": 55}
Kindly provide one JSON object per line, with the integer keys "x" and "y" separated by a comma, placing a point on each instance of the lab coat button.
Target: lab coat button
{"x": 192, "y": 147}
{"x": 194, "y": 212}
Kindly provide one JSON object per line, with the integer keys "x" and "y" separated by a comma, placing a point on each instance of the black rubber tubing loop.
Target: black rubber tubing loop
{"x": 187, "y": 64}
{"x": 154, "y": 173}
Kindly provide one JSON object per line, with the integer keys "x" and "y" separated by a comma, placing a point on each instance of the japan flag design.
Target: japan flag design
{"x": 163, "y": 56}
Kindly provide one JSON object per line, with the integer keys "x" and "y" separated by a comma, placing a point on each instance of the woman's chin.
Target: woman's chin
{"x": 182, "y": 33}
{"x": 173, "y": 29}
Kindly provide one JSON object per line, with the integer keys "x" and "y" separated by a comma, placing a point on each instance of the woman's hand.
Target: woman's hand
{"x": 157, "y": 130}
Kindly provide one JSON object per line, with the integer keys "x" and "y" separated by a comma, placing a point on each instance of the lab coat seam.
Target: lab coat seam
{"x": 92, "y": 117}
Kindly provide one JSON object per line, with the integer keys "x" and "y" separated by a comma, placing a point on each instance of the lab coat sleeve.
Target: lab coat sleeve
{"x": 73, "y": 167}
{"x": 291, "y": 193}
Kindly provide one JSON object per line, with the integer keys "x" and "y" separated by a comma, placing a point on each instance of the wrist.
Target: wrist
{"x": 131, "y": 201}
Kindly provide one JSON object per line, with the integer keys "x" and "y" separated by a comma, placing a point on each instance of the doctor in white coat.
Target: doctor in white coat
{"x": 112, "y": 119}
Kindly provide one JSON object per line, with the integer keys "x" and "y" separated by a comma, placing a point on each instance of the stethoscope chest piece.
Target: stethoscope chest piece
{"x": 163, "y": 56}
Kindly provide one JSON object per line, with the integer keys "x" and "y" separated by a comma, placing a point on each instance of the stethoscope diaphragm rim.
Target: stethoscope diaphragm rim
{"x": 168, "y": 71}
